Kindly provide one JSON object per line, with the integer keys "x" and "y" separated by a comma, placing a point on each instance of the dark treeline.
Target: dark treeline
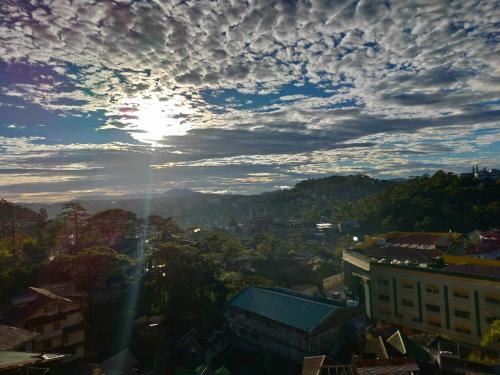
{"x": 441, "y": 202}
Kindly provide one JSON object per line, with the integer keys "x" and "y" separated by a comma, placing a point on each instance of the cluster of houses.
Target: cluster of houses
{"x": 40, "y": 327}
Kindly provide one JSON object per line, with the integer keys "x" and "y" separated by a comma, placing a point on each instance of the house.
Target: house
{"x": 12, "y": 338}
{"x": 291, "y": 324}
{"x": 58, "y": 321}
{"x": 194, "y": 348}
{"x": 12, "y": 362}
{"x": 487, "y": 250}
{"x": 306, "y": 259}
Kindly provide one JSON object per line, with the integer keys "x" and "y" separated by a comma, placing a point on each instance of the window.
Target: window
{"x": 433, "y": 308}
{"x": 406, "y": 284}
{"x": 57, "y": 325}
{"x": 383, "y": 282}
{"x": 384, "y": 298}
{"x": 434, "y": 323}
{"x": 463, "y": 329}
{"x": 492, "y": 299}
{"x": 462, "y": 314}
{"x": 432, "y": 289}
{"x": 407, "y": 302}
{"x": 460, "y": 293}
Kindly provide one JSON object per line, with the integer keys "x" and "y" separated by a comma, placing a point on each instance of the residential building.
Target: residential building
{"x": 58, "y": 321}
{"x": 459, "y": 301}
{"x": 484, "y": 174}
{"x": 425, "y": 288}
{"x": 406, "y": 247}
{"x": 12, "y": 338}
{"x": 292, "y": 324}
{"x": 13, "y": 362}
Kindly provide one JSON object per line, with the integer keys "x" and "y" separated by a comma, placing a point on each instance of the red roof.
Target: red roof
{"x": 493, "y": 235}
{"x": 487, "y": 247}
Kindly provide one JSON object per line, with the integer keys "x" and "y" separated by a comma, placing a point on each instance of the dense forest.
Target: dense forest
{"x": 440, "y": 202}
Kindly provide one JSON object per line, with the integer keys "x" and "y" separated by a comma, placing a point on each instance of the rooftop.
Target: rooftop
{"x": 12, "y": 337}
{"x": 485, "y": 248}
{"x": 474, "y": 269}
{"x": 291, "y": 308}
{"x": 10, "y": 360}
{"x": 402, "y": 253}
{"x": 423, "y": 239}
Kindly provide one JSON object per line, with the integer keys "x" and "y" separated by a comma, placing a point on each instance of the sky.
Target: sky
{"x": 121, "y": 98}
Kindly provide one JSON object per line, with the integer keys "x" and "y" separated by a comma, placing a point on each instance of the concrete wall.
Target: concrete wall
{"x": 453, "y": 306}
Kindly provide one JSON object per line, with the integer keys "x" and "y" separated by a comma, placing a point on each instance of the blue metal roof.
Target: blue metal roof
{"x": 291, "y": 309}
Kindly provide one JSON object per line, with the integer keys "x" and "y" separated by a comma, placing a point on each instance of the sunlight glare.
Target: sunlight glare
{"x": 154, "y": 119}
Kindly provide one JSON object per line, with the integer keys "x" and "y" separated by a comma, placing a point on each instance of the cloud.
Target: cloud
{"x": 236, "y": 82}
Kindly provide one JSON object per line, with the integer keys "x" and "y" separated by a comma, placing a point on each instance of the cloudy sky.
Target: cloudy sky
{"x": 130, "y": 97}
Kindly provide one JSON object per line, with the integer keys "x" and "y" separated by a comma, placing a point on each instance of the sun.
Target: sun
{"x": 150, "y": 120}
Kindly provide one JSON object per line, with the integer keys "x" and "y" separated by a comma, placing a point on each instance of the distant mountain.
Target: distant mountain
{"x": 180, "y": 193}
{"x": 439, "y": 202}
{"x": 308, "y": 201}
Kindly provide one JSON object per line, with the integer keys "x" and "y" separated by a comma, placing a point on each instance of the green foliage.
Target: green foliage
{"x": 87, "y": 269}
{"x": 492, "y": 337}
{"x": 184, "y": 284}
{"x": 440, "y": 202}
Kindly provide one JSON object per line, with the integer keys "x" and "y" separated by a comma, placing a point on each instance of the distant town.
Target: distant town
{"x": 387, "y": 280}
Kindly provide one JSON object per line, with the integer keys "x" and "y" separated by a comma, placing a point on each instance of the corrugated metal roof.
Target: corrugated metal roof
{"x": 288, "y": 308}
{"x": 12, "y": 337}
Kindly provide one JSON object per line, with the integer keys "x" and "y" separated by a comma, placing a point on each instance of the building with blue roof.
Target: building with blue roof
{"x": 292, "y": 324}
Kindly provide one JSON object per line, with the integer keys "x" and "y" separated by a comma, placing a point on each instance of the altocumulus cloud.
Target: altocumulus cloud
{"x": 128, "y": 96}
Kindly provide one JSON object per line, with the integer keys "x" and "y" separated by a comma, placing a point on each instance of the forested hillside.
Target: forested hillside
{"x": 440, "y": 202}
{"x": 308, "y": 201}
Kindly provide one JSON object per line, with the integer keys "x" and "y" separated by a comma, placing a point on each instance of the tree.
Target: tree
{"x": 185, "y": 286}
{"x": 165, "y": 229}
{"x": 108, "y": 227}
{"x": 230, "y": 251}
{"x": 493, "y": 335}
{"x": 76, "y": 215}
{"x": 90, "y": 267}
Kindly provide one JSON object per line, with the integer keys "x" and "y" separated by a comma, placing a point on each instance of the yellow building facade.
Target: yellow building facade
{"x": 455, "y": 305}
